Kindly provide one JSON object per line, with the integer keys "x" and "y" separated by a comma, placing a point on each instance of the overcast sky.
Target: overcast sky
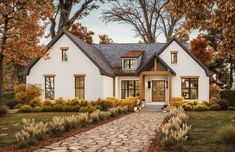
{"x": 120, "y": 33}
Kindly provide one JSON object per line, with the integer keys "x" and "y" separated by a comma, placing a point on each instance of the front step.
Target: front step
{"x": 152, "y": 108}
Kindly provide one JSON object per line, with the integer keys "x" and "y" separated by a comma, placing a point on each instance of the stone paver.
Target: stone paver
{"x": 132, "y": 133}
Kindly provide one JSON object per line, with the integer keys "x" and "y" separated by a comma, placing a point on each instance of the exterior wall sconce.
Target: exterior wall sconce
{"x": 149, "y": 84}
{"x": 167, "y": 84}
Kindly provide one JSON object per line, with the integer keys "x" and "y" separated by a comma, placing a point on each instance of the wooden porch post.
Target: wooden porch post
{"x": 170, "y": 87}
{"x": 142, "y": 86}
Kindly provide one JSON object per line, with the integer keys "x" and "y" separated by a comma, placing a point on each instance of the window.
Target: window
{"x": 129, "y": 64}
{"x": 189, "y": 88}
{"x": 50, "y": 87}
{"x": 130, "y": 88}
{"x": 173, "y": 57}
{"x": 64, "y": 54}
{"x": 80, "y": 87}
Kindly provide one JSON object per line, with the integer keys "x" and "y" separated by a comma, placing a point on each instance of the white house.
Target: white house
{"x": 154, "y": 72}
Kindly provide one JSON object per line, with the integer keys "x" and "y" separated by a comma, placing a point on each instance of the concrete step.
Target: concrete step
{"x": 152, "y": 108}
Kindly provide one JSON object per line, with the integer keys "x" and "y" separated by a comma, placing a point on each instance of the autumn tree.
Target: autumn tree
{"x": 21, "y": 27}
{"x": 199, "y": 47}
{"x": 66, "y": 17}
{"x": 214, "y": 17}
{"x": 104, "y": 39}
{"x": 81, "y": 31}
{"x": 147, "y": 17}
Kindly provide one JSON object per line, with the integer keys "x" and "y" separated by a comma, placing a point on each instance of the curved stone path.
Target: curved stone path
{"x": 131, "y": 133}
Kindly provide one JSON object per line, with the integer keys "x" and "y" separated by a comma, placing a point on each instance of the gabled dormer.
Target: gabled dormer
{"x": 131, "y": 60}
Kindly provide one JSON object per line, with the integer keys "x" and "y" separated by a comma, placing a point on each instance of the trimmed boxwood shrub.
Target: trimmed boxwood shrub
{"x": 229, "y": 95}
{"x": 89, "y": 109}
{"x": 57, "y": 108}
{"x": 70, "y": 108}
{"x": 38, "y": 109}
{"x": 223, "y": 104}
{"x": 201, "y": 107}
{"x": 187, "y": 107}
{"x": 46, "y": 108}
{"x": 26, "y": 108}
{"x": 215, "y": 107}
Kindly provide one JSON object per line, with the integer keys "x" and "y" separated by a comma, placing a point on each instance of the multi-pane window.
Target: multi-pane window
{"x": 80, "y": 87}
{"x": 129, "y": 64}
{"x": 130, "y": 88}
{"x": 189, "y": 87}
{"x": 173, "y": 57}
{"x": 50, "y": 87}
{"x": 64, "y": 54}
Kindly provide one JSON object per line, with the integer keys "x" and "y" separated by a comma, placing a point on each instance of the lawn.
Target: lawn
{"x": 205, "y": 125}
{"x": 11, "y": 123}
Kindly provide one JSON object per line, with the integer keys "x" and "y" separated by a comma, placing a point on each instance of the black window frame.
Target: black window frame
{"x": 127, "y": 90}
{"x": 77, "y": 88}
{"x": 64, "y": 55}
{"x": 48, "y": 88}
{"x": 174, "y": 55}
{"x": 129, "y": 64}
{"x": 189, "y": 88}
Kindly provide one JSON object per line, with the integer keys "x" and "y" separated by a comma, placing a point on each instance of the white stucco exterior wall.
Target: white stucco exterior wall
{"x": 78, "y": 63}
{"x": 186, "y": 66}
{"x": 107, "y": 86}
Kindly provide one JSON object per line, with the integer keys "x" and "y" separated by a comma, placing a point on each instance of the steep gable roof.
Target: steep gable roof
{"x": 208, "y": 72}
{"x": 91, "y": 52}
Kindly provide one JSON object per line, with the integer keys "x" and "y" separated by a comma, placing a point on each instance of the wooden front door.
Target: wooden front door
{"x": 158, "y": 91}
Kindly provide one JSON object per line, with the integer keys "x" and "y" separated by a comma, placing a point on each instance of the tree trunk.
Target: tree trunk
{"x": 231, "y": 72}
{"x": 1, "y": 79}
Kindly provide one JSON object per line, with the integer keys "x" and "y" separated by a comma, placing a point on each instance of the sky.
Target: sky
{"x": 118, "y": 32}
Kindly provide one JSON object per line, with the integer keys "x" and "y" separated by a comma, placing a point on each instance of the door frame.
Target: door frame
{"x": 164, "y": 98}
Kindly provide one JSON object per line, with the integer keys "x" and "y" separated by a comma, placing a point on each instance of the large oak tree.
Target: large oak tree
{"x": 21, "y": 27}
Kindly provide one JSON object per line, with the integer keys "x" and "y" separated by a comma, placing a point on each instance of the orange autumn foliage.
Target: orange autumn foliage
{"x": 199, "y": 47}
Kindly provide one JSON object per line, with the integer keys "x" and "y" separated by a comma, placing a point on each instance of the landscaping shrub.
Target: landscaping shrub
{"x": 187, "y": 107}
{"x": 215, "y": 107}
{"x": 11, "y": 103}
{"x": 47, "y": 108}
{"x": 17, "y": 106}
{"x": 57, "y": 126}
{"x": 174, "y": 129}
{"x": 3, "y": 109}
{"x": 114, "y": 111}
{"x": 35, "y": 102}
{"x": 26, "y": 108}
{"x": 25, "y": 94}
{"x": 201, "y": 107}
{"x": 7, "y": 96}
{"x": 104, "y": 115}
{"x": 227, "y": 136}
{"x": 57, "y": 107}
{"x": 177, "y": 101}
{"x": 94, "y": 116}
{"x": 48, "y": 102}
{"x": 38, "y": 109}
{"x": 70, "y": 108}
{"x": 215, "y": 93}
{"x": 60, "y": 101}
{"x": 130, "y": 102}
{"x": 223, "y": 104}
{"x": 89, "y": 109}
{"x": 228, "y": 95}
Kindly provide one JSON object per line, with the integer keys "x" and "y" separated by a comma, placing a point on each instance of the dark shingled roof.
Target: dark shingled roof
{"x": 107, "y": 57}
{"x": 91, "y": 52}
{"x": 113, "y": 52}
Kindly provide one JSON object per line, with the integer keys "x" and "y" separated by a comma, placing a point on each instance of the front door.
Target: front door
{"x": 158, "y": 91}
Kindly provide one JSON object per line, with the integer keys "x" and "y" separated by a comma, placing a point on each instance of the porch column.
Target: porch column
{"x": 170, "y": 87}
{"x": 142, "y": 87}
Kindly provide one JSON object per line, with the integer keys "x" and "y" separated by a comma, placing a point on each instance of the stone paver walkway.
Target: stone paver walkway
{"x": 132, "y": 133}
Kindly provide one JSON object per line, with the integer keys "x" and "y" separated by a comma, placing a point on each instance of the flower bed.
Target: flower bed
{"x": 33, "y": 132}
{"x": 78, "y": 105}
{"x": 174, "y": 129}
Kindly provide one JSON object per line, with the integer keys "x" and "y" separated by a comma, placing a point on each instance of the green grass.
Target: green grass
{"x": 205, "y": 125}
{"x": 11, "y": 123}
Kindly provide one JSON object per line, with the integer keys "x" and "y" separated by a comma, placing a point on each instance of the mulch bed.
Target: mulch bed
{"x": 156, "y": 145}
{"x": 52, "y": 140}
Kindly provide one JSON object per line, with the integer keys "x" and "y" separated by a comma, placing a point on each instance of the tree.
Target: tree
{"x": 216, "y": 17}
{"x": 81, "y": 31}
{"x": 63, "y": 13}
{"x": 104, "y": 39}
{"x": 20, "y": 31}
{"x": 145, "y": 16}
{"x": 199, "y": 47}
